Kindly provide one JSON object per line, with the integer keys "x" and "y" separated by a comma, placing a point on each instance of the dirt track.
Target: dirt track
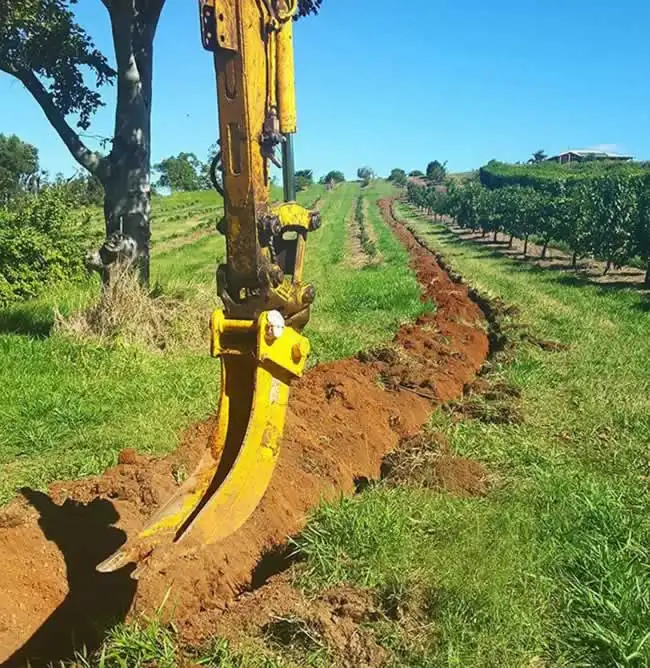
{"x": 341, "y": 424}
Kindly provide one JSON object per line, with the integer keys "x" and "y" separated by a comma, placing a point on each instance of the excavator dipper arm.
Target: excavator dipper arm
{"x": 257, "y": 335}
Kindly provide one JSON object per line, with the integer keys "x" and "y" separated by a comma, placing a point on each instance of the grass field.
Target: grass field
{"x": 555, "y": 563}
{"x": 551, "y": 568}
{"x": 69, "y": 408}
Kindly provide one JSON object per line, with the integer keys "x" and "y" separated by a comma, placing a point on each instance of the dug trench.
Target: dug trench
{"x": 344, "y": 418}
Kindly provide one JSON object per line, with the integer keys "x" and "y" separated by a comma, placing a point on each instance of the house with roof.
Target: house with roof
{"x": 581, "y": 155}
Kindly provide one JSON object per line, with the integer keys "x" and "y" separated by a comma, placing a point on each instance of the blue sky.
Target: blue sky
{"x": 396, "y": 84}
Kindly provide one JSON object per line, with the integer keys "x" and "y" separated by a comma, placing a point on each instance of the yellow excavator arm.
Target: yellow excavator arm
{"x": 257, "y": 336}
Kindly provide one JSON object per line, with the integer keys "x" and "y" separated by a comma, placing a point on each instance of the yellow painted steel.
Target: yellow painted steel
{"x": 234, "y": 473}
{"x": 291, "y": 214}
{"x": 241, "y": 74}
{"x": 286, "y": 80}
{"x": 257, "y": 336}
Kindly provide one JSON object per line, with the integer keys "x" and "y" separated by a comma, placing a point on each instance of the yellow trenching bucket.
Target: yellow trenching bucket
{"x": 258, "y": 361}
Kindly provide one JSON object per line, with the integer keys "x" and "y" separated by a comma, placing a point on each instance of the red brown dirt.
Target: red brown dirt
{"x": 341, "y": 423}
{"x": 282, "y": 616}
{"x": 427, "y": 460}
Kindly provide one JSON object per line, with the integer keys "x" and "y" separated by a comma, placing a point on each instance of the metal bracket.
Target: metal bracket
{"x": 218, "y": 25}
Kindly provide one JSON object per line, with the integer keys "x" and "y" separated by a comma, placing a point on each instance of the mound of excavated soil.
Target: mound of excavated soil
{"x": 286, "y": 618}
{"x": 426, "y": 460}
{"x": 341, "y": 423}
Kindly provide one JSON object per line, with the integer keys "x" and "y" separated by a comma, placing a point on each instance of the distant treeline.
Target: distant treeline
{"x": 597, "y": 208}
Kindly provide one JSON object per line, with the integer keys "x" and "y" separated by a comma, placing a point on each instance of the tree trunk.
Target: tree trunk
{"x": 496, "y": 236}
{"x": 125, "y": 172}
{"x": 608, "y": 266}
{"x": 510, "y": 240}
{"x": 127, "y": 187}
{"x": 525, "y": 245}
{"x": 483, "y": 233}
{"x": 647, "y": 272}
{"x": 574, "y": 259}
{"x": 544, "y": 249}
{"x": 127, "y": 209}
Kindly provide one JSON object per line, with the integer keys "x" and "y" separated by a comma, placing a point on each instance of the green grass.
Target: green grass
{"x": 356, "y": 308}
{"x": 551, "y": 568}
{"x": 68, "y": 408}
{"x": 554, "y": 565}
{"x": 150, "y": 643}
{"x": 455, "y": 557}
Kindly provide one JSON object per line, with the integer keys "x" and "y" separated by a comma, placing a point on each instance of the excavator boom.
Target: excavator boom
{"x": 258, "y": 334}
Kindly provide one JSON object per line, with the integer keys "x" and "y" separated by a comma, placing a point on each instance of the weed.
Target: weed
{"x": 136, "y": 645}
{"x": 367, "y": 243}
{"x": 147, "y": 643}
{"x": 126, "y": 314}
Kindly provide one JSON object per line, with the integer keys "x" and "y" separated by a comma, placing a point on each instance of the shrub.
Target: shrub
{"x": 42, "y": 241}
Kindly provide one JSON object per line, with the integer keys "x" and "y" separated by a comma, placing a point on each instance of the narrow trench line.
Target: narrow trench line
{"x": 206, "y": 583}
{"x": 282, "y": 558}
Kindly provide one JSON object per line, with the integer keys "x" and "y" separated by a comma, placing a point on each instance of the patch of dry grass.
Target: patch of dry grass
{"x": 127, "y": 314}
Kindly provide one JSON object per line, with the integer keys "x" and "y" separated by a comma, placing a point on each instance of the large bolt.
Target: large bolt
{"x": 296, "y": 353}
{"x": 276, "y": 275}
{"x": 270, "y": 224}
{"x": 274, "y": 326}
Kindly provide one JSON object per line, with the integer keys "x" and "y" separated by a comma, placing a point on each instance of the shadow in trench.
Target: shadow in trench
{"x": 95, "y": 601}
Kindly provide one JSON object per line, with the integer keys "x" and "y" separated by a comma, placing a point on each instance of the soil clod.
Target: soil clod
{"x": 425, "y": 460}
{"x": 545, "y": 344}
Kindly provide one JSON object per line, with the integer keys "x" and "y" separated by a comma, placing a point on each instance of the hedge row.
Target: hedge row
{"x": 367, "y": 243}
{"x": 605, "y": 216}
{"x": 547, "y": 175}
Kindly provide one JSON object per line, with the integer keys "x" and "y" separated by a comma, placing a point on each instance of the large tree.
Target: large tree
{"x": 332, "y": 177}
{"x": 18, "y": 166}
{"x": 398, "y": 177}
{"x": 44, "y": 47}
{"x": 366, "y": 174}
{"x": 437, "y": 171}
{"x": 538, "y": 156}
{"x": 304, "y": 178}
{"x": 181, "y": 172}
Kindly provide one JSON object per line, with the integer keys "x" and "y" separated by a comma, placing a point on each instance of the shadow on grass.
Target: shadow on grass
{"x": 95, "y": 601}
{"x": 29, "y": 319}
{"x": 561, "y": 272}
{"x": 582, "y": 280}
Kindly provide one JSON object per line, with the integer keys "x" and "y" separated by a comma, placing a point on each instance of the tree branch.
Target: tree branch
{"x": 88, "y": 159}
